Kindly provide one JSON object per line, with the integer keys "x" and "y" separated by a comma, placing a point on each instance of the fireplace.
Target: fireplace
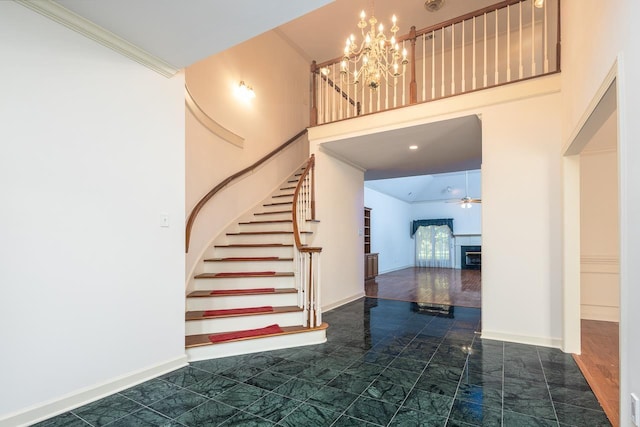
{"x": 470, "y": 257}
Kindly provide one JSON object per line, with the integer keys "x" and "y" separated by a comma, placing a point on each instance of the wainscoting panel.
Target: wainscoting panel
{"x": 600, "y": 288}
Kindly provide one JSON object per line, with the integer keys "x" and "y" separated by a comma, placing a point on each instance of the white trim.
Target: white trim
{"x": 90, "y": 394}
{"x": 336, "y": 156}
{"x": 574, "y": 144}
{"x": 600, "y": 312}
{"x": 77, "y": 23}
{"x": 522, "y": 339}
{"x": 342, "y": 302}
{"x": 211, "y": 125}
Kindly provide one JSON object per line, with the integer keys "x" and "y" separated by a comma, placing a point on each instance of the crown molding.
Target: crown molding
{"x": 77, "y": 23}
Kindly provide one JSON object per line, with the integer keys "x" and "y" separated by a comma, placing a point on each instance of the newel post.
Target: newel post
{"x": 313, "y": 117}
{"x": 413, "y": 86}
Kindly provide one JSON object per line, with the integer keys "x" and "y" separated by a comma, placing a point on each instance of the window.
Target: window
{"x": 434, "y": 246}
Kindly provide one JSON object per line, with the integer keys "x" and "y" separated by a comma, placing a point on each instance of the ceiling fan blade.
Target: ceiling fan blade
{"x": 475, "y": 201}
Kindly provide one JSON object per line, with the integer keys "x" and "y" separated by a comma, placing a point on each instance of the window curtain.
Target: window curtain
{"x": 434, "y": 246}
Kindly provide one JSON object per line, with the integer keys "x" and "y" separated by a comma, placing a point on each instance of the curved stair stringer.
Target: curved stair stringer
{"x": 250, "y": 265}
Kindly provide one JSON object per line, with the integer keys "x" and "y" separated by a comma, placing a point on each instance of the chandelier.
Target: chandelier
{"x": 376, "y": 58}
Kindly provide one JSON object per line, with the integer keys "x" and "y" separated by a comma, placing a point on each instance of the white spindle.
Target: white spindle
{"x": 433, "y": 64}
{"x": 334, "y": 92}
{"x": 546, "y": 40}
{"x": 496, "y": 78}
{"x": 404, "y": 82}
{"x": 462, "y": 89}
{"x": 485, "y": 49}
{"x": 395, "y": 96}
{"x": 424, "y": 67}
{"x": 453, "y": 59}
{"x": 533, "y": 39}
{"x": 520, "y": 67}
{"x": 378, "y": 97}
{"x": 442, "y": 93}
{"x": 327, "y": 112}
{"x": 473, "y": 41}
{"x": 508, "y": 43}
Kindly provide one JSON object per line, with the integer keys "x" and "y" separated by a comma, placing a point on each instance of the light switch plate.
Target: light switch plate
{"x": 164, "y": 220}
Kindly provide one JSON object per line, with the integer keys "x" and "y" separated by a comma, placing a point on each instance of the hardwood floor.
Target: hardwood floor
{"x": 600, "y": 364}
{"x": 430, "y": 285}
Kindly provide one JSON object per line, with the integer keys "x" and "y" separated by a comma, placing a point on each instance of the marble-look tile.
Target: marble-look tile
{"x": 429, "y": 403}
{"x": 107, "y": 410}
{"x": 387, "y": 391}
{"x": 213, "y": 386}
{"x": 332, "y": 398}
{"x": 262, "y": 360}
{"x": 411, "y": 418}
{"x": 309, "y": 415}
{"x": 519, "y": 388}
{"x": 184, "y": 377}
{"x": 241, "y": 395}
{"x": 216, "y": 366}
{"x": 542, "y": 408}
{"x": 290, "y": 368}
{"x": 442, "y": 372}
{"x": 577, "y": 396}
{"x": 64, "y": 420}
{"x": 405, "y": 364}
{"x": 349, "y": 383}
{"x": 372, "y": 410}
{"x": 144, "y": 418}
{"x": 297, "y": 388}
{"x": 178, "y": 403}
{"x": 377, "y": 358}
{"x": 490, "y": 397}
{"x": 404, "y": 378}
{"x": 576, "y": 416}
{"x": 519, "y": 420}
{"x": 243, "y": 374}
{"x": 446, "y": 388}
{"x": 347, "y": 421}
{"x": 475, "y": 414}
{"x": 318, "y": 374}
{"x": 243, "y": 419}
{"x": 273, "y": 407}
{"x": 211, "y": 413}
{"x": 150, "y": 391}
{"x": 334, "y": 362}
{"x": 268, "y": 380}
{"x": 367, "y": 371}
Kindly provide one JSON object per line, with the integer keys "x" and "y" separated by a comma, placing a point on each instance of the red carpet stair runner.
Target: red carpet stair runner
{"x": 246, "y": 299}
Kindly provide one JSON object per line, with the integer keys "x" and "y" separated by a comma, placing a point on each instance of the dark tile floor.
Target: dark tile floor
{"x": 385, "y": 363}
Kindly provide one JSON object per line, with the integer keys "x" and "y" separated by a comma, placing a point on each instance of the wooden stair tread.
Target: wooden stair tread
{"x": 199, "y": 314}
{"x": 283, "y": 195}
{"x": 247, "y": 259}
{"x": 277, "y": 203}
{"x": 206, "y": 294}
{"x": 241, "y": 233}
{"x": 288, "y": 188}
{"x": 273, "y": 221}
{"x": 203, "y": 339}
{"x": 240, "y": 275}
{"x": 257, "y": 245}
{"x": 272, "y": 212}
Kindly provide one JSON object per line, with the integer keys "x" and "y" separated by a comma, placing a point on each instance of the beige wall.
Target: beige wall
{"x": 279, "y": 77}
{"x": 599, "y": 231}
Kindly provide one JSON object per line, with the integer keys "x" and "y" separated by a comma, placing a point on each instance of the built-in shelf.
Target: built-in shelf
{"x": 370, "y": 259}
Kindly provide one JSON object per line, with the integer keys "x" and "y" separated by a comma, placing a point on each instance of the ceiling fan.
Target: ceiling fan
{"x": 466, "y": 201}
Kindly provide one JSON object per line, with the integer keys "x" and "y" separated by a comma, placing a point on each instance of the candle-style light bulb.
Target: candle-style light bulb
{"x": 362, "y": 15}
{"x": 394, "y": 19}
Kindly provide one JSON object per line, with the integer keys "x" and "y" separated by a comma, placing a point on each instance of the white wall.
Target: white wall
{"x": 340, "y": 209}
{"x": 521, "y": 163}
{"x": 278, "y": 112}
{"x": 92, "y": 153}
{"x": 586, "y": 62}
{"x": 390, "y": 231}
{"x": 465, "y": 221}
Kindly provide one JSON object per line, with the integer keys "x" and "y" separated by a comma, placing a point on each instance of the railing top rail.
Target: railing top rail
{"x": 294, "y": 211}
{"x": 412, "y": 35}
{"x": 198, "y": 207}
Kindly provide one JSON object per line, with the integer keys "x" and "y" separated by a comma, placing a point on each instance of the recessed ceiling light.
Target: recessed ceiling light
{"x": 413, "y": 147}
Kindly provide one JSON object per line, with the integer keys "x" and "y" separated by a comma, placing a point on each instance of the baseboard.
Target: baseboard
{"x": 342, "y": 302}
{"x": 600, "y": 312}
{"x": 522, "y": 339}
{"x": 391, "y": 270}
{"x": 79, "y": 398}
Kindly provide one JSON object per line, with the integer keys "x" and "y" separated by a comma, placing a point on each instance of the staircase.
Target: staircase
{"x": 251, "y": 296}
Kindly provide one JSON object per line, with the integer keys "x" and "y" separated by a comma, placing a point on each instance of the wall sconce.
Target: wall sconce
{"x": 245, "y": 92}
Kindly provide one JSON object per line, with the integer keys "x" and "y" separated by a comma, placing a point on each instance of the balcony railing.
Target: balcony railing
{"x": 508, "y": 42}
